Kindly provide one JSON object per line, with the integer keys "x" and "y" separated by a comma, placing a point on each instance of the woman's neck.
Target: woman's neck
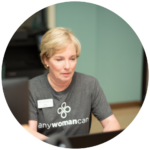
{"x": 58, "y": 86}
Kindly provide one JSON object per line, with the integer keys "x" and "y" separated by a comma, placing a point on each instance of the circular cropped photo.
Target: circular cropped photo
{"x": 74, "y": 75}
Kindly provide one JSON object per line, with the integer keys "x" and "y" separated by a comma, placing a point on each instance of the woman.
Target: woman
{"x": 62, "y": 100}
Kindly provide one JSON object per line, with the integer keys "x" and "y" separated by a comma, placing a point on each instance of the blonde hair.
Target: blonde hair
{"x": 54, "y": 40}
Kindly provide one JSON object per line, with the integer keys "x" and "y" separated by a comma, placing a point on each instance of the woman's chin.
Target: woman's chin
{"x": 66, "y": 79}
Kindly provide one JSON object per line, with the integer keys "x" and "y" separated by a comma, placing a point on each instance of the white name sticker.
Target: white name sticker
{"x": 45, "y": 103}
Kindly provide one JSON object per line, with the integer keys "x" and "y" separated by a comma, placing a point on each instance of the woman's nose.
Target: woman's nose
{"x": 67, "y": 65}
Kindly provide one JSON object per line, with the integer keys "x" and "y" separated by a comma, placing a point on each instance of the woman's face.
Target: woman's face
{"x": 62, "y": 65}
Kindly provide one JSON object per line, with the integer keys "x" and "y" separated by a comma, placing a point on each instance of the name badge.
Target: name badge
{"x": 45, "y": 103}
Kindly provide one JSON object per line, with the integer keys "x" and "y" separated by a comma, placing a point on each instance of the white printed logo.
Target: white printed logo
{"x": 63, "y": 110}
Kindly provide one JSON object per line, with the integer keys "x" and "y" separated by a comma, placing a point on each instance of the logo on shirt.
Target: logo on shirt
{"x": 63, "y": 110}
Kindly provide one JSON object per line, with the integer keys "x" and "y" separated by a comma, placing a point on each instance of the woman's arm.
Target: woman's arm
{"x": 110, "y": 124}
{"x": 33, "y": 130}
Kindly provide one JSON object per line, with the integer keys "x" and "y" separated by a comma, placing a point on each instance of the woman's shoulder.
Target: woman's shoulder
{"x": 85, "y": 78}
{"x": 86, "y": 82}
{"x": 38, "y": 79}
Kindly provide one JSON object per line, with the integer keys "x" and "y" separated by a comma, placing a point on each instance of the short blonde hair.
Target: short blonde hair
{"x": 55, "y": 40}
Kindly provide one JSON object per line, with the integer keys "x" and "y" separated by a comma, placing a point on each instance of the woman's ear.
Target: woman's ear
{"x": 45, "y": 60}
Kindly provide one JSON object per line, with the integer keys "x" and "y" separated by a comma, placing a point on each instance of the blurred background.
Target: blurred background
{"x": 110, "y": 52}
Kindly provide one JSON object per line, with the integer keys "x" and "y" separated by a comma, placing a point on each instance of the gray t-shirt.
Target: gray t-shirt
{"x": 71, "y": 112}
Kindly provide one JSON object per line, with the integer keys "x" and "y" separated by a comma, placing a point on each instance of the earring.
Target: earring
{"x": 47, "y": 66}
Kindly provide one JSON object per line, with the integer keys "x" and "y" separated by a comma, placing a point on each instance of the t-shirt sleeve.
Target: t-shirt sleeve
{"x": 32, "y": 108}
{"x": 100, "y": 107}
